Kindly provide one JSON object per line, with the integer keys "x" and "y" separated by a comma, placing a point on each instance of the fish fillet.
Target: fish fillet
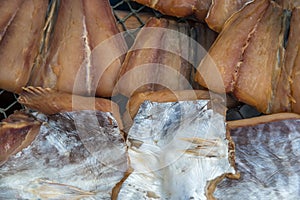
{"x": 49, "y": 101}
{"x": 21, "y": 29}
{"x": 158, "y": 59}
{"x": 85, "y": 53}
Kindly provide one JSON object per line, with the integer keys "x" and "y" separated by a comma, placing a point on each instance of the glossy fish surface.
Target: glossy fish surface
{"x": 71, "y": 158}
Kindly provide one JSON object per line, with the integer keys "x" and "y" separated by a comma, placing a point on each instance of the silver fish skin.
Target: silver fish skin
{"x": 268, "y": 158}
{"x": 175, "y": 149}
{"x": 77, "y": 155}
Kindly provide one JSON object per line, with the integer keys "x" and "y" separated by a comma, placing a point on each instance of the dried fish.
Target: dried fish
{"x": 268, "y": 158}
{"x": 176, "y": 149}
{"x": 76, "y": 155}
{"x": 21, "y": 28}
{"x": 49, "y": 101}
{"x": 259, "y": 71}
{"x": 226, "y": 52}
{"x": 158, "y": 59}
{"x": 262, "y": 69}
{"x": 221, "y": 10}
{"x": 17, "y": 132}
{"x": 179, "y": 8}
{"x": 85, "y": 53}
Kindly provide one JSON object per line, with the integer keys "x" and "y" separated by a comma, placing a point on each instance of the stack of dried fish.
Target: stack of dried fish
{"x": 260, "y": 64}
{"x": 176, "y": 146}
{"x": 83, "y": 56}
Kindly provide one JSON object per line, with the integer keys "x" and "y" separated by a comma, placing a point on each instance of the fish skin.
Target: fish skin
{"x": 17, "y": 132}
{"x": 85, "y": 53}
{"x": 71, "y": 158}
{"x": 267, "y": 156}
{"x": 20, "y": 43}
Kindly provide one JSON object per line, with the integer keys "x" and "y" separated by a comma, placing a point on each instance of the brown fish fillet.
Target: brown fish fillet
{"x": 21, "y": 31}
{"x": 86, "y": 51}
{"x": 283, "y": 98}
{"x": 262, "y": 61}
{"x": 221, "y": 62}
{"x": 221, "y": 10}
{"x": 157, "y": 59}
{"x": 179, "y": 8}
{"x": 293, "y": 61}
{"x": 17, "y": 132}
{"x": 49, "y": 101}
{"x": 8, "y": 11}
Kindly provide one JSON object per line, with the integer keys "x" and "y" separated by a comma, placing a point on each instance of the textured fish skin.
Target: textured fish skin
{"x": 85, "y": 53}
{"x": 158, "y": 59}
{"x": 77, "y": 155}
{"x": 21, "y": 29}
{"x": 49, "y": 101}
{"x": 175, "y": 150}
{"x": 268, "y": 158}
{"x": 17, "y": 132}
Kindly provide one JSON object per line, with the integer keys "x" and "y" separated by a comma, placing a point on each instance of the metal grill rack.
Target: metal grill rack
{"x": 124, "y": 11}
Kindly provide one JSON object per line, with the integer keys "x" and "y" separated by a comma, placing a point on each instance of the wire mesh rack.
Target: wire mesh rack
{"x": 130, "y": 17}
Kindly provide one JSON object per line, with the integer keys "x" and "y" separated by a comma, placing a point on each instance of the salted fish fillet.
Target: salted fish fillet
{"x": 21, "y": 29}
{"x": 85, "y": 52}
{"x": 227, "y": 51}
{"x": 175, "y": 150}
{"x": 221, "y": 10}
{"x": 17, "y": 132}
{"x": 268, "y": 159}
{"x": 158, "y": 59}
{"x": 179, "y": 8}
{"x": 77, "y": 155}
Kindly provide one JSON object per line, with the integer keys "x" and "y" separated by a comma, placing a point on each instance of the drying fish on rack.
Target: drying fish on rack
{"x": 179, "y": 8}
{"x": 69, "y": 158}
{"x": 221, "y": 10}
{"x": 49, "y": 101}
{"x": 85, "y": 52}
{"x": 260, "y": 64}
{"x": 267, "y": 157}
{"x": 158, "y": 59}
{"x": 177, "y": 151}
{"x": 21, "y": 29}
